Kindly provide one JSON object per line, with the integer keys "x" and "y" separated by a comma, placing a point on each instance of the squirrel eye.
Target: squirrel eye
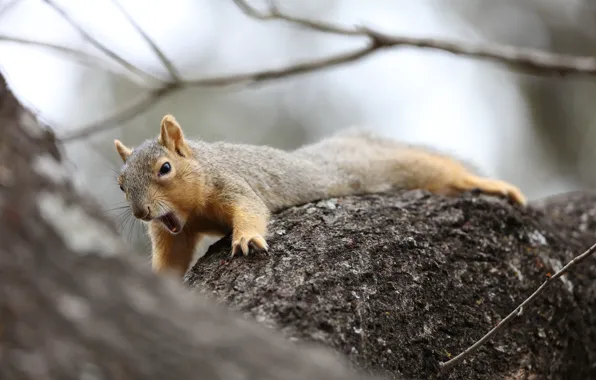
{"x": 165, "y": 168}
{"x": 121, "y": 188}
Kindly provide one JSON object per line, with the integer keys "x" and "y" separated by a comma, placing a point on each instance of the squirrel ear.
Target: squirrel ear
{"x": 122, "y": 150}
{"x": 171, "y": 135}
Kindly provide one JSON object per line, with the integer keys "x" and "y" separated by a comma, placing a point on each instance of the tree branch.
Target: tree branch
{"x": 527, "y": 60}
{"x": 80, "y": 56}
{"x": 132, "y": 68}
{"x": 275, "y": 14}
{"x": 8, "y": 7}
{"x": 284, "y": 72}
{"x": 524, "y": 59}
{"x": 174, "y": 75}
{"x": 248, "y": 78}
{"x": 123, "y": 116}
{"x": 452, "y": 362}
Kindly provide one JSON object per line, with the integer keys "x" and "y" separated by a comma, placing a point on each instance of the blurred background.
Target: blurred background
{"x": 534, "y": 131}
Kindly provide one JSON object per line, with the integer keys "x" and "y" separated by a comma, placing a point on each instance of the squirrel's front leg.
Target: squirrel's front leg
{"x": 171, "y": 253}
{"x": 249, "y": 224}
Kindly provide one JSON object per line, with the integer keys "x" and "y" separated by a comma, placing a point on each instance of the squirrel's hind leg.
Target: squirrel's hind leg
{"x": 448, "y": 176}
{"x": 490, "y": 186}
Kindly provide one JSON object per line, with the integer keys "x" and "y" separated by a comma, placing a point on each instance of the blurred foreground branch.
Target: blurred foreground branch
{"x": 526, "y": 60}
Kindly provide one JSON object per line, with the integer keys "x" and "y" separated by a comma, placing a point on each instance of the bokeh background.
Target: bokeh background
{"x": 534, "y": 131}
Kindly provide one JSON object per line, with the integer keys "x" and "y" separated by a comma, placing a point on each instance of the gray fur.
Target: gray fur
{"x": 137, "y": 171}
{"x": 350, "y": 162}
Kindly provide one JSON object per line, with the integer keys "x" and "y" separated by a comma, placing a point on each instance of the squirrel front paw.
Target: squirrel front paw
{"x": 246, "y": 242}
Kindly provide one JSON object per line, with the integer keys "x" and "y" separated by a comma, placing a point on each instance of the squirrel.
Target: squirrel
{"x": 187, "y": 189}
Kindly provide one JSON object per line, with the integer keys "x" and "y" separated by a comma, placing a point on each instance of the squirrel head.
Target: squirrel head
{"x": 159, "y": 178}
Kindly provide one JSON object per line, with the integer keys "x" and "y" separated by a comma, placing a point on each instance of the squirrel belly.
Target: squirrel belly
{"x": 186, "y": 188}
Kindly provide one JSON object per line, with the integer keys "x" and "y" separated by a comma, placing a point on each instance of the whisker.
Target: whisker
{"x": 116, "y": 208}
{"x": 122, "y": 221}
{"x": 131, "y": 226}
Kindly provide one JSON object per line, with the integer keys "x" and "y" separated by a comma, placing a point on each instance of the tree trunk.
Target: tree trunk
{"x": 75, "y": 304}
{"x": 400, "y": 282}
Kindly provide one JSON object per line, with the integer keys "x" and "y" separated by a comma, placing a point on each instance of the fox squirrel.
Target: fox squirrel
{"x": 187, "y": 189}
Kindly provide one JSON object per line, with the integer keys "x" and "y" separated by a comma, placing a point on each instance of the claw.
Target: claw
{"x": 244, "y": 245}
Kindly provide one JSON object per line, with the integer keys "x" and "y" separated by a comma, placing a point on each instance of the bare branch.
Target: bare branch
{"x": 529, "y": 60}
{"x": 82, "y": 57}
{"x": 275, "y": 14}
{"x": 123, "y": 116}
{"x": 175, "y": 76}
{"x": 98, "y": 44}
{"x": 155, "y": 96}
{"x": 452, "y": 362}
{"x": 291, "y": 70}
{"x": 4, "y": 10}
{"x": 261, "y": 76}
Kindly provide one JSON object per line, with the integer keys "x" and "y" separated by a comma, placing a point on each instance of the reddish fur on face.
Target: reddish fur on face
{"x": 181, "y": 190}
{"x": 203, "y": 211}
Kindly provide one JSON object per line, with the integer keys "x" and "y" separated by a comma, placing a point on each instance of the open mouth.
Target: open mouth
{"x": 171, "y": 222}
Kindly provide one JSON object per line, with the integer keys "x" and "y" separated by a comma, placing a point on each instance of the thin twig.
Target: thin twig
{"x": 4, "y": 10}
{"x": 123, "y": 116}
{"x": 526, "y": 59}
{"x": 261, "y": 76}
{"x": 175, "y": 76}
{"x": 450, "y": 363}
{"x": 275, "y": 14}
{"x": 291, "y": 70}
{"x": 82, "y": 57}
{"x": 98, "y": 44}
{"x": 535, "y": 61}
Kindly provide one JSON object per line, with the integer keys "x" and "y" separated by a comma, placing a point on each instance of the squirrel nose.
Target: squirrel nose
{"x": 141, "y": 212}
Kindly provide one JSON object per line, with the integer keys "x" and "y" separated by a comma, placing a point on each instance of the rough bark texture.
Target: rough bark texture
{"x": 74, "y": 304}
{"x": 400, "y": 282}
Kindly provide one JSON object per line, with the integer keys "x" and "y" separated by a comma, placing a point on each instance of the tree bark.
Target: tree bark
{"x": 76, "y": 304}
{"x": 400, "y": 282}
